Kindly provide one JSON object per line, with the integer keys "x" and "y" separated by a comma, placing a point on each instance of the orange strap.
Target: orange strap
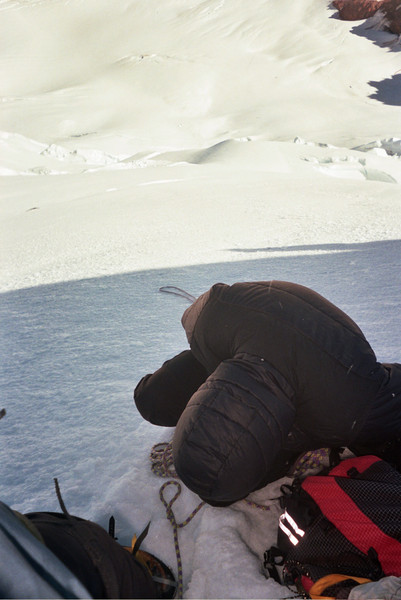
{"x": 323, "y": 583}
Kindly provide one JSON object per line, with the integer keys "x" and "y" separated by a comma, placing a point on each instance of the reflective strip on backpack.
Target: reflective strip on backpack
{"x": 297, "y": 530}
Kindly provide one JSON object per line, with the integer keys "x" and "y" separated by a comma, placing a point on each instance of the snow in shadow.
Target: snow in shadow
{"x": 374, "y": 29}
{"x": 388, "y": 90}
{"x": 71, "y": 354}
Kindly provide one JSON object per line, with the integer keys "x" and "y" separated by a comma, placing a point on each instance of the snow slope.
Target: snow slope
{"x": 177, "y": 143}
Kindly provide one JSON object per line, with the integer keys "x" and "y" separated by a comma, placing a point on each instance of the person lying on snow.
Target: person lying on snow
{"x": 274, "y": 369}
{"x": 57, "y": 555}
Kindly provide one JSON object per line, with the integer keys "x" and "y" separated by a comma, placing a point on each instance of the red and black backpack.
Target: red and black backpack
{"x": 347, "y": 522}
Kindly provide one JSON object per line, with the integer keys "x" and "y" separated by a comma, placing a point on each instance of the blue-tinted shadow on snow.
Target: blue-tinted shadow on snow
{"x": 380, "y": 37}
{"x": 311, "y": 249}
{"x": 72, "y": 352}
{"x": 388, "y": 91}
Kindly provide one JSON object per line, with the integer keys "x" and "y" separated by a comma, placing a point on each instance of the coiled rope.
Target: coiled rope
{"x": 310, "y": 460}
{"x": 162, "y": 465}
{"x": 161, "y": 460}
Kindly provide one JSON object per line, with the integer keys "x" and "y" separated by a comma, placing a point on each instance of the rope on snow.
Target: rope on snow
{"x": 162, "y": 464}
{"x": 176, "y": 526}
{"x": 161, "y": 458}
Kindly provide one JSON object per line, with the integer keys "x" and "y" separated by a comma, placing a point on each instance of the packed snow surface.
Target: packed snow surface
{"x": 183, "y": 143}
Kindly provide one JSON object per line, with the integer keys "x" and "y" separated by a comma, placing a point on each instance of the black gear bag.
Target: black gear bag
{"x": 346, "y": 522}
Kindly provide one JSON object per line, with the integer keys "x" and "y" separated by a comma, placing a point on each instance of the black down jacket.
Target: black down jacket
{"x": 274, "y": 369}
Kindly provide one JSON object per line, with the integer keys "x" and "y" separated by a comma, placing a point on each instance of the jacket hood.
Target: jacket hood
{"x": 229, "y": 435}
{"x": 192, "y": 313}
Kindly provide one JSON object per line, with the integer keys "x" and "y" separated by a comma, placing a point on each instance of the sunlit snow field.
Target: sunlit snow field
{"x": 146, "y": 144}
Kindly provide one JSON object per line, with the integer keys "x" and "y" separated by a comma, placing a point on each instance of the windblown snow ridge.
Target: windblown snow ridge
{"x": 376, "y": 160}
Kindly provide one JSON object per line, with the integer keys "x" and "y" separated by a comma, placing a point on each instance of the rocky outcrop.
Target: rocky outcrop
{"x": 354, "y": 10}
{"x": 392, "y": 10}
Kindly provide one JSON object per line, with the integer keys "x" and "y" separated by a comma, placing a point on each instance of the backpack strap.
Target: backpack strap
{"x": 353, "y": 466}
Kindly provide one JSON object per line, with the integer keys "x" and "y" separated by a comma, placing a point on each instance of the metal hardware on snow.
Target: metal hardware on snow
{"x": 172, "y": 289}
{"x": 140, "y": 539}
{"x": 60, "y": 499}
{"x": 112, "y": 528}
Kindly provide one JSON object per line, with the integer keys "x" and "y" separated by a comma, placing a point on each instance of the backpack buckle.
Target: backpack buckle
{"x": 272, "y": 559}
